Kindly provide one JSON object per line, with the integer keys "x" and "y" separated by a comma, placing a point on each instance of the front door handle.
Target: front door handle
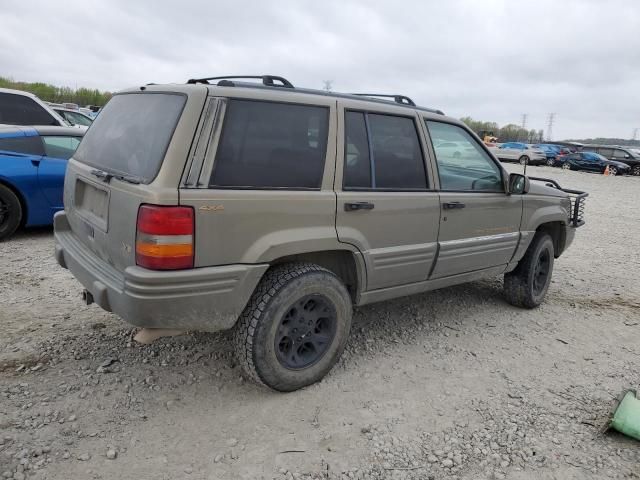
{"x": 350, "y": 207}
{"x": 451, "y": 205}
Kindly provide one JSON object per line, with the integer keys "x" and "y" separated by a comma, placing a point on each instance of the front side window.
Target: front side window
{"x": 22, "y": 110}
{"x": 466, "y": 169}
{"x": 382, "y": 152}
{"x": 60, "y": 146}
{"x": 271, "y": 145}
{"x": 620, "y": 154}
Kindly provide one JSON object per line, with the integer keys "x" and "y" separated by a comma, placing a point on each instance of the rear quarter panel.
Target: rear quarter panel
{"x": 19, "y": 174}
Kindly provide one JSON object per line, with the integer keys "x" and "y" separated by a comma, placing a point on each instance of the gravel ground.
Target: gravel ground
{"x": 449, "y": 384}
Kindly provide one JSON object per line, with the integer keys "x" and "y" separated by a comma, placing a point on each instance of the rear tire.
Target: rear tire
{"x": 527, "y": 285}
{"x": 295, "y": 326}
{"x": 566, "y": 166}
{"x": 10, "y": 212}
{"x": 524, "y": 160}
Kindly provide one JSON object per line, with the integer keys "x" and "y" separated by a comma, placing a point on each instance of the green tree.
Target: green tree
{"x": 50, "y": 93}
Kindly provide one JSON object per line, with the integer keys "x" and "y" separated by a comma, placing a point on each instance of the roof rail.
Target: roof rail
{"x": 401, "y": 99}
{"x": 267, "y": 80}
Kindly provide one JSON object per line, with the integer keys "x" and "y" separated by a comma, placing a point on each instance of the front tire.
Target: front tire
{"x": 10, "y": 212}
{"x": 613, "y": 170}
{"x": 566, "y": 166}
{"x": 527, "y": 285}
{"x": 636, "y": 170}
{"x": 295, "y": 326}
{"x": 524, "y": 160}
{"x": 551, "y": 162}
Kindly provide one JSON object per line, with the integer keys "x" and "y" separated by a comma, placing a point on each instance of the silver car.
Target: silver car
{"x": 520, "y": 152}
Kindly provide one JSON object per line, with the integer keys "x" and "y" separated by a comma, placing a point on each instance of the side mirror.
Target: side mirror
{"x": 518, "y": 184}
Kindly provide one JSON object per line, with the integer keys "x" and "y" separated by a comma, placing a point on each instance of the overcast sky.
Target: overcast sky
{"x": 490, "y": 59}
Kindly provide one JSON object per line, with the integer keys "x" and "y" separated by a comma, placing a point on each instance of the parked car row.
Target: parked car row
{"x": 620, "y": 160}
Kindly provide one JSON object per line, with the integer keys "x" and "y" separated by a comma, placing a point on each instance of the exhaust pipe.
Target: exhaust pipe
{"x": 87, "y": 297}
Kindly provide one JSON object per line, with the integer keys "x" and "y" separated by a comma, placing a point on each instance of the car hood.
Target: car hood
{"x": 539, "y": 188}
{"x": 613, "y": 163}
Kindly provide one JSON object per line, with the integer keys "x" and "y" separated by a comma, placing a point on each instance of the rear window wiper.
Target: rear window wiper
{"x": 106, "y": 177}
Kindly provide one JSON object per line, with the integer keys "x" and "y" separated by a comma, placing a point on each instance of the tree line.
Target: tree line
{"x": 50, "y": 93}
{"x": 508, "y": 133}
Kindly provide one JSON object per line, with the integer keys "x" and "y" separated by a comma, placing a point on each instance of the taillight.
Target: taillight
{"x": 164, "y": 237}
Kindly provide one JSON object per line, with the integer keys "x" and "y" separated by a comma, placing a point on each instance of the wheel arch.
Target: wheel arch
{"x": 347, "y": 265}
{"x": 557, "y": 231}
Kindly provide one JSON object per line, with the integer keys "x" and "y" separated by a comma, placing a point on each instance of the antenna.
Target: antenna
{"x": 550, "y": 120}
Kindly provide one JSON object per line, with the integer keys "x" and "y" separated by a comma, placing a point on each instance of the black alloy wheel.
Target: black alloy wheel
{"x": 541, "y": 272}
{"x": 10, "y": 212}
{"x": 305, "y": 332}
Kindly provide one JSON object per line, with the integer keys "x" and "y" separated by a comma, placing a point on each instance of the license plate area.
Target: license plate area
{"x": 91, "y": 202}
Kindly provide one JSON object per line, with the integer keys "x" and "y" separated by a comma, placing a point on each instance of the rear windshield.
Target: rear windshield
{"x": 132, "y": 133}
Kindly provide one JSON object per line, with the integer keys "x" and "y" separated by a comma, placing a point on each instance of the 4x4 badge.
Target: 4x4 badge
{"x": 211, "y": 208}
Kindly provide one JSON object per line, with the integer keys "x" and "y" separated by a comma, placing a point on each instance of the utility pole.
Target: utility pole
{"x": 635, "y": 134}
{"x": 550, "y": 120}
{"x": 524, "y": 126}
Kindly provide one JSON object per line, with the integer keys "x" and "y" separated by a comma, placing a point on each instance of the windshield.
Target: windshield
{"x": 132, "y": 133}
{"x": 75, "y": 118}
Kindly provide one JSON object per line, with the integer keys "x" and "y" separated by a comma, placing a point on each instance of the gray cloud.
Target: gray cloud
{"x": 492, "y": 60}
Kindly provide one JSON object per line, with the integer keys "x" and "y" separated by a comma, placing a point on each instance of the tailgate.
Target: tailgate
{"x": 103, "y": 215}
{"x": 134, "y": 153}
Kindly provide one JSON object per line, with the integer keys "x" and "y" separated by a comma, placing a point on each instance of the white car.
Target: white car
{"x": 24, "y": 108}
{"x": 454, "y": 149}
{"x": 522, "y": 153}
{"x": 73, "y": 116}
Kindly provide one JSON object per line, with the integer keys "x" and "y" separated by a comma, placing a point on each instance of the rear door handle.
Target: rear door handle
{"x": 451, "y": 205}
{"x": 350, "y": 207}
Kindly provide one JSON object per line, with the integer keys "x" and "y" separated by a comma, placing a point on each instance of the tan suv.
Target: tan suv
{"x": 273, "y": 210}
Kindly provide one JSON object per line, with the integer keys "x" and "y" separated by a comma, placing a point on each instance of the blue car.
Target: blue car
{"x": 33, "y": 161}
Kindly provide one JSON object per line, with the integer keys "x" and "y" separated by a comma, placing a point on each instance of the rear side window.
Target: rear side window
{"x": 382, "y": 152}
{"x": 271, "y": 145}
{"x": 132, "y": 133}
{"x": 620, "y": 154}
{"x": 21, "y": 110}
{"x": 60, "y": 146}
{"x": 26, "y": 145}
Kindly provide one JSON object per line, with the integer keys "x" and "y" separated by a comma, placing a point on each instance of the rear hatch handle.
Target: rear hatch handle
{"x": 106, "y": 177}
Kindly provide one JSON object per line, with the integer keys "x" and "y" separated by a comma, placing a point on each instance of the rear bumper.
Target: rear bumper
{"x": 208, "y": 299}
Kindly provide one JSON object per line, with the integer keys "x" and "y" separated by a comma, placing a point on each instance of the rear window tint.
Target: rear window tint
{"x": 132, "y": 133}
{"x": 271, "y": 145}
{"x": 22, "y": 110}
{"x": 26, "y": 145}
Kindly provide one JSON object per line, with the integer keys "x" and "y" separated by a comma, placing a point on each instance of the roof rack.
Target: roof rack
{"x": 267, "y": 80}
{"x": 401, "y": 99}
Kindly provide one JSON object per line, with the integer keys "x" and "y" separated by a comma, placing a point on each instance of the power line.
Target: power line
{"x": 550, "y": 120}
